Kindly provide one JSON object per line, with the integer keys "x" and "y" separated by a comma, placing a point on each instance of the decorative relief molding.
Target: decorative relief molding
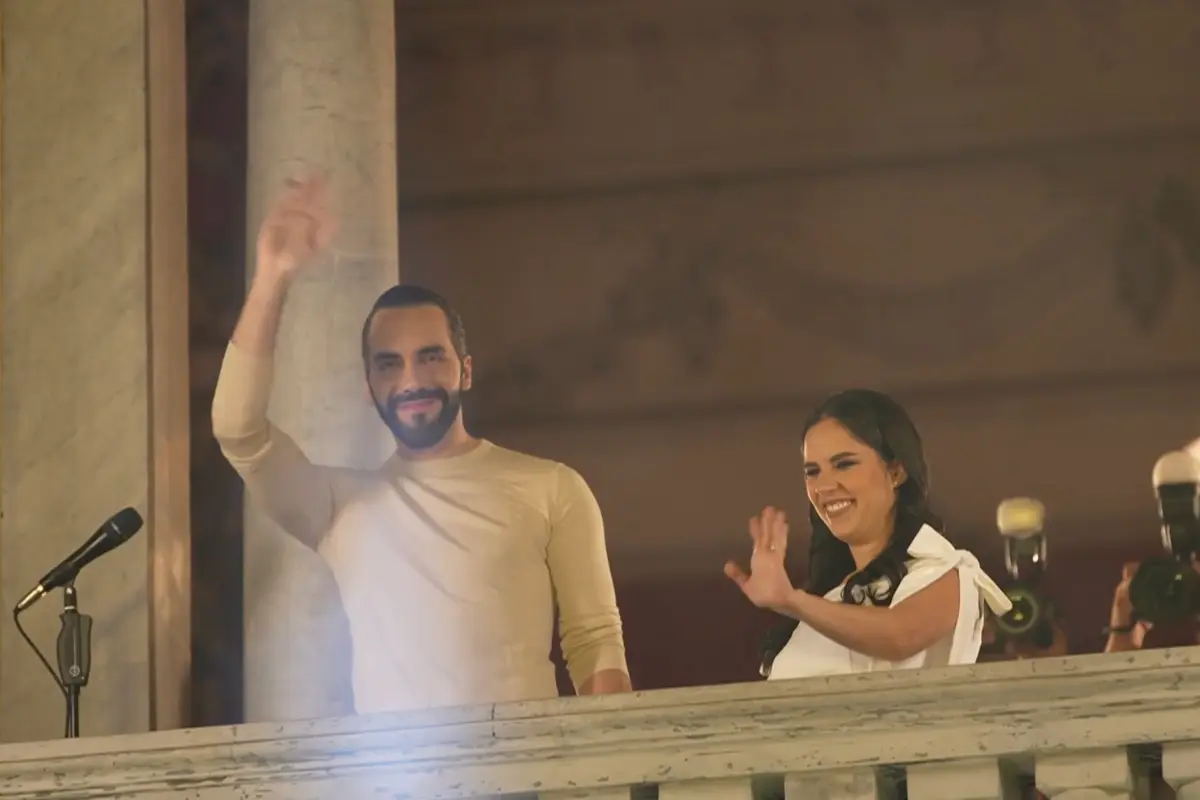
{"x": 1177, "y": 212}
{"x": 1140, "y": 242}
{"x": 678, "y": 297}
{"x": 1156, "y": 241}
{"x": 717, "y": 733}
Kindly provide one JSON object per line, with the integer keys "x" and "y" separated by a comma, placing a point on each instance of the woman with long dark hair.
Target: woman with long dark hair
{"x": 885, "y": 588}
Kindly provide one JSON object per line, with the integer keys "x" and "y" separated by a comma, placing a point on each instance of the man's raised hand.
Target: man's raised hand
{"x": 297, "y": 228}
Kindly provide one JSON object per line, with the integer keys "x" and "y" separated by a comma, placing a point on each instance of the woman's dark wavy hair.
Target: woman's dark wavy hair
{"x": 882, "y": 424}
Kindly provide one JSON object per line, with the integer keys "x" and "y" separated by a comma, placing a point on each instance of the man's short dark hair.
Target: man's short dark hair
{"x": 409, "y": 295}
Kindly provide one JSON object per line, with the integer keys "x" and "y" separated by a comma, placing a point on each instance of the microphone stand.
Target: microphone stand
{"x": 74, "y": 655}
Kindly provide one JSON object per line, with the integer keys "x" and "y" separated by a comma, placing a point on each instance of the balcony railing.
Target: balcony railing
{"x": 1086, "y": 727}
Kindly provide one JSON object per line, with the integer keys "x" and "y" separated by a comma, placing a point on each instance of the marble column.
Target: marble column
{"x": 93, "y": 253}
{"x": 322, "y": 84}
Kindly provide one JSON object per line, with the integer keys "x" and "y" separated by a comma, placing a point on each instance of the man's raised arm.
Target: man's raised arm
{"x": 294, "y": 492}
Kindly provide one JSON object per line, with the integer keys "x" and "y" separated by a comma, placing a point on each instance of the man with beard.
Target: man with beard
{"x": 451, "y": 557}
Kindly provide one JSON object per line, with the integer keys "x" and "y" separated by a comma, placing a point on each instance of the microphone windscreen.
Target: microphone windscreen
{"x": 126, "y": 523}
{"x": 1178, "y": 467}
{"x": 1020, "y": 516}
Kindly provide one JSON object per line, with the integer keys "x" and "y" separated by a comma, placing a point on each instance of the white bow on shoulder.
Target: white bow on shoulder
{"x": 929, "y": 544}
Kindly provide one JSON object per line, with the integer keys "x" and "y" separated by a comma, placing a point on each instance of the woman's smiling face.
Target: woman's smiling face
{"x": 849, "y": 484}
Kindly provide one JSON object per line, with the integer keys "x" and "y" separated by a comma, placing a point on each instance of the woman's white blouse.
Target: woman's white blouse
{"x": 808, "y": 653}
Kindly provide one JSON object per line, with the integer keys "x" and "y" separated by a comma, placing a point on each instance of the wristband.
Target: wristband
{"x": 1109, "y": 630}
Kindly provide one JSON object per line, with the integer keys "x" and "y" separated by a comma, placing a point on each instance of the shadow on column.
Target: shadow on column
{"x": 216, "y": 42}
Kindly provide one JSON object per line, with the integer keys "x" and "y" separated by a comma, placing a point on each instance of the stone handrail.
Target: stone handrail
{"x": 1090, "y": 726}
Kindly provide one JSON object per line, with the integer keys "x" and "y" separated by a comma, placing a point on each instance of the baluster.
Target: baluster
{"x": 1181, "y": 769}
{"x": 1092, "y": 775}
{"x": 967, "y": 779}
{"x": 723, "y": 789}
{"x": 589, "y": 793}
{"x": 861, "y": 783}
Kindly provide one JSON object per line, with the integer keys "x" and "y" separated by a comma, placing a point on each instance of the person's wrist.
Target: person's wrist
{"x": 269, "y": 281}
{"x": 1120, "y": 623}
{"x": 1120, "y": 619}
{"x": 789, "y": 603}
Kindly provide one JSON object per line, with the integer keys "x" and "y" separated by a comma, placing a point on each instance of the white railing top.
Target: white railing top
{"x": 900, "y": 717}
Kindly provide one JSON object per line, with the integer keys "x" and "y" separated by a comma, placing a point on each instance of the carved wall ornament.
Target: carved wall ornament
{"x": 1143, "y": 273}
{"x": 1157, "y": 240}
{"x": 952, "y": 319}
{"x": 686, "y": 294}
{"x": 676, "y": 297}
{"x": 1177, "y": 211}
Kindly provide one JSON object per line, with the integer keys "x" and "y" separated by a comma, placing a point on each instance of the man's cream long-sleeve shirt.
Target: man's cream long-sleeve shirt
{"x": 449, "y": 569}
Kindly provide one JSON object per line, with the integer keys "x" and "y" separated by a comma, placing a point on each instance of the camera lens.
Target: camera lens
{"x": 1025, "y": 615}
{"x": 1165, "y": 590}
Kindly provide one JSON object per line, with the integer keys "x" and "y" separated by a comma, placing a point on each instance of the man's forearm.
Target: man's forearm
{"x": 244, "y": 387}
{"x": 606, "y": 681}
{"x": 595, "y": 656}
{"x": 258, "y": 326}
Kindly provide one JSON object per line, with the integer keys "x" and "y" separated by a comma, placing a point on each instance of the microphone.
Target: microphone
{"x": 118, "y": 529}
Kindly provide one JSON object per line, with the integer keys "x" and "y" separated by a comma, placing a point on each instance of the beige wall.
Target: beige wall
{"x": 673, "y": 226}
{"x": 78, "y": 393}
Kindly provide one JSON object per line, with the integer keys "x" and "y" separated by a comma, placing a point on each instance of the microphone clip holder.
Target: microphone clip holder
{"x": 74, "y": 655}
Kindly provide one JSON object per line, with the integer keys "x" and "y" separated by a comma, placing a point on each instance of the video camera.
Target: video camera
{"x": 1167, "y": 589}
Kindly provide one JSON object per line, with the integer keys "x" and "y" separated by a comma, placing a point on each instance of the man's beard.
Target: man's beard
{"x": 425, "y": 432}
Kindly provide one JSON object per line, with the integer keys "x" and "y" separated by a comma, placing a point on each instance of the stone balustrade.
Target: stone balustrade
{"x": 1087, "y": 727}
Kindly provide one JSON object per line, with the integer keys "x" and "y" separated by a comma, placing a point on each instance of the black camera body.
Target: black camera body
{"x": 1030, "y": 620}
{"x": 1167, "y": 589}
